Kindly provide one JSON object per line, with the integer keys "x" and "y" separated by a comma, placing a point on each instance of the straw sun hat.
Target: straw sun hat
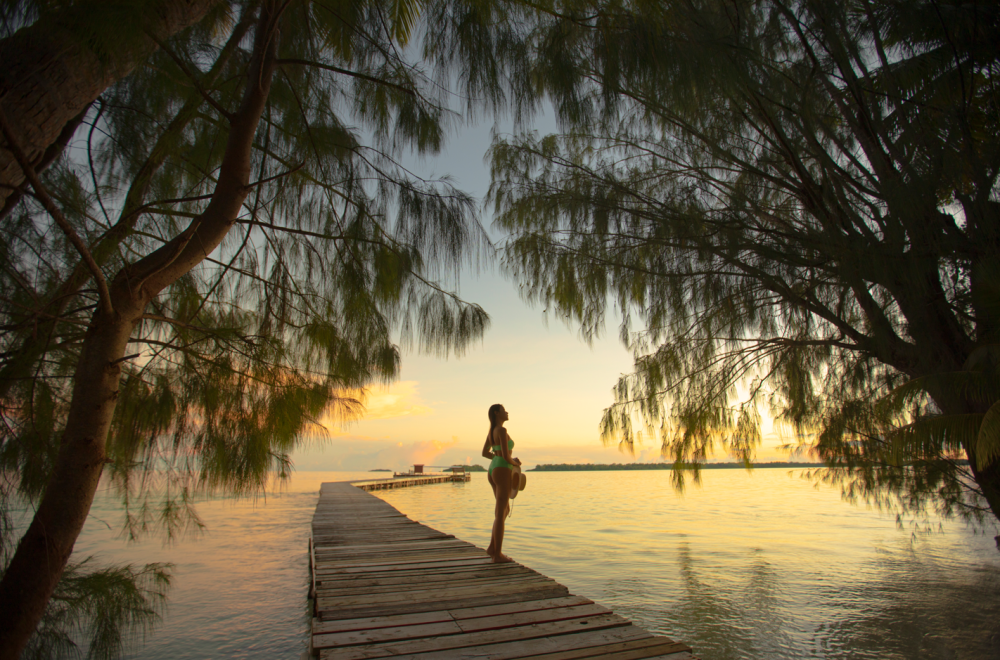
{"x": 521, "y": 481}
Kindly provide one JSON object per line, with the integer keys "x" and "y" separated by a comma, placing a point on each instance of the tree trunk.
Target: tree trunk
{"x": 45, "y": 548}
{"x": 50, "y": 74}
{"x": 952, "y": 401}
{"x": 987, "y": 478}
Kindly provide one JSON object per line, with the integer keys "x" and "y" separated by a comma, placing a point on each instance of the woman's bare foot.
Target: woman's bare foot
{"x": 501, "y": 558}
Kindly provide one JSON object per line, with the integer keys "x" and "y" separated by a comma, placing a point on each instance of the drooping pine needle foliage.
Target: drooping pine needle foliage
{"x": 99, "y": 614}
{"x": 338, "y": 248}
{"x": 338, "y": 253}
{"x": 794, "y": 207}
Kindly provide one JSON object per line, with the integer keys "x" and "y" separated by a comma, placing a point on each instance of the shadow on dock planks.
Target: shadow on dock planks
{"x": 386, "y": 586}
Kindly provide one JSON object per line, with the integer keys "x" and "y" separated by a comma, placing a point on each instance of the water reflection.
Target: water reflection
{"x": 743, "y": 617}
{"x": 916, "y": 608}
{"x": 239, "y": 588}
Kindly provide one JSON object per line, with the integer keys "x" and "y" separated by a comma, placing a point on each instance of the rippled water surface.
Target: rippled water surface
{"x": 760, "y": 565}
{"x": 240, "y": 586}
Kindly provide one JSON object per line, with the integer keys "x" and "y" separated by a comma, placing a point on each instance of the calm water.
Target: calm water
{"x": 760, "y": 565}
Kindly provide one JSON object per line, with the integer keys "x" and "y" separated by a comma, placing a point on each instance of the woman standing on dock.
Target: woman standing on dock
{"x": 502, "y": 477}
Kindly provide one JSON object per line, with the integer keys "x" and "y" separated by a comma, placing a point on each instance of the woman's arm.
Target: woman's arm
{"x": 488, "y": 447}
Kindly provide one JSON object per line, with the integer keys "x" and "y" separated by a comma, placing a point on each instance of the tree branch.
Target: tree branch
{"x": 346, "y": 72}
{"x": 194, "y": 81}
{"x": 56, "y": 213}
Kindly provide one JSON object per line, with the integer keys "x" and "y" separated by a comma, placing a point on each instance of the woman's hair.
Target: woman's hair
{"x": 487, "y": 446}
{"x": 494, "y": 409}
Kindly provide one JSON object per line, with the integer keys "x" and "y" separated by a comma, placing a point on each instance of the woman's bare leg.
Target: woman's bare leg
{"x": 493, "y": 487}
{"x": 501, "y": 476}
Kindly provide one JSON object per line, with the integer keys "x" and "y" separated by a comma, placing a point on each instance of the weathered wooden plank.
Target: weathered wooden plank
{"x": 432, "y": 595}
{"x": 515, "y": 580}
{"x": 479, "y": 624}
{"x": 324, "y": 538}
{"x": 509, "y": 650}
{"x": 483, "y": 638}
{"x": 440, "y": 573}
{"x": 367, "y": 546}
{"x": 648, "y": 647}
{"x": 399, "y": 633}
{"x": 337, "y": 570}
{"x": 519, "y": 606}
{"x": 403, "y": 560}
{"x": 333, "y": 565}
{"x": 330, "y": 591}
{"x": 368, "y": 623}
{"x": 415, "y": 582}
{"x": 403, "y": 578}
{"x": 526, "y": 618}
{"x": 476, "y": 601}
{"x": 381, "y": 548}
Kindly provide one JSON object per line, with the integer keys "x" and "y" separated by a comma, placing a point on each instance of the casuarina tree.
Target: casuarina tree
{"x": 793, "y": 205}
{"x": 210, "y": 244}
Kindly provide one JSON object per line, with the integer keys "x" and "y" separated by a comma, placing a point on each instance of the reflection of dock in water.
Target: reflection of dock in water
{"x": 386, "y": 586}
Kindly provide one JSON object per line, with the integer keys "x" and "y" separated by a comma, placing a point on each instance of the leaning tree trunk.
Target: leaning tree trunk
{"x": 44, "y": 549}
{"x": 988, "y": 479}
{"x": 954, "y": 401}
{"x": 50, "y": 73}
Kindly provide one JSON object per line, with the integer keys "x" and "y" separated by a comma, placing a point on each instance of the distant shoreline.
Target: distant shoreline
{"x": 590, "y": 467}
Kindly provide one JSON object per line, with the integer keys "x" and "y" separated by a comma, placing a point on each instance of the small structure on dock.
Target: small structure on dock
{"x": 451, "y": 473}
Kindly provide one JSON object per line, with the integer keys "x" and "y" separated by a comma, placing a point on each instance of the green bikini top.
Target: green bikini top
{"x": 510, "y": 445}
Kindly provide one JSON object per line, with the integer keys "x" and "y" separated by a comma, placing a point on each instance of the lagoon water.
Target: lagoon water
{"x": 748, "y": 565}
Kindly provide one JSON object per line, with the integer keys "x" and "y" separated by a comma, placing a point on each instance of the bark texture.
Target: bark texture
{"x": 43, "y": 551}
{"x": 49, "y": 75}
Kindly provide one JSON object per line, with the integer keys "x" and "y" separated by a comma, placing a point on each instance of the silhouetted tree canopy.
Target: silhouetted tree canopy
{"x": 793, "y": 205}
{"x": 209, "y": 242}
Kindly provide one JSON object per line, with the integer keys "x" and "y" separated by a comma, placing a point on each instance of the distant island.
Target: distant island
{"x": 475, "y": 468}
{"x": 380, "y": 470}
{"x": 583, "y": 467}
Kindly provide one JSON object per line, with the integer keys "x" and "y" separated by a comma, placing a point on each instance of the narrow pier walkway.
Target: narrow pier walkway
{"x": 386, "y": 586}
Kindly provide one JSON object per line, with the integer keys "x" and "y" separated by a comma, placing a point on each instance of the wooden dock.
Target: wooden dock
{"x": 386, "y": 586}
{"x": 404, "y": 481}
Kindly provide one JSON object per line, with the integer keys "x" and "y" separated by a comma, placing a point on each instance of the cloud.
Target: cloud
{"x": 355, "y": 453}
{"x": 401, "y": 399}
{"x": 427, "y": 452}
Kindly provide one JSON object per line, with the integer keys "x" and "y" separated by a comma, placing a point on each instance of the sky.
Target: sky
{"x": 551, "y": 382}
